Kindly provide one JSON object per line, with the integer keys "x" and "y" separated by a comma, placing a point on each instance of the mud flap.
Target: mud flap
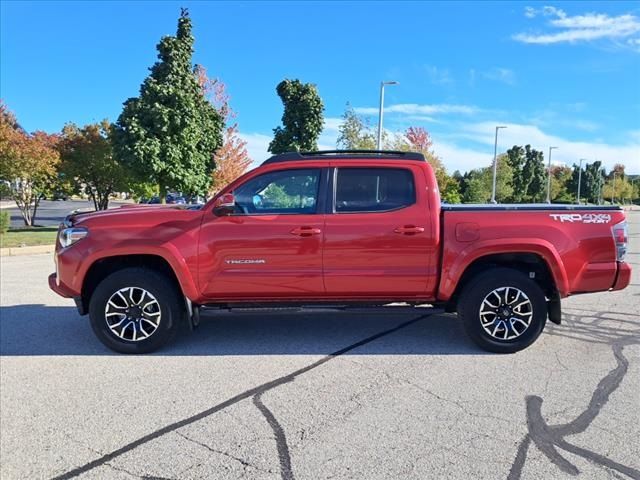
{"x": 554, "y": 309}
{"x": 192, "y": 314}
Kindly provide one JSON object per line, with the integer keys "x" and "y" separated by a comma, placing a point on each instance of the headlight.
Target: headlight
{"x": 69, "y": 236}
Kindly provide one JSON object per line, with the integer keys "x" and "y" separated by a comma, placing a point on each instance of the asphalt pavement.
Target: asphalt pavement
{"x": 50, "y": 212}
{"x": 318, "y": 394}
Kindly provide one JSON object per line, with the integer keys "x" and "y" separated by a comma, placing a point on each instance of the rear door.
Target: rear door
{"x": 271, "y": 247}
{"x": 378, "y": 240}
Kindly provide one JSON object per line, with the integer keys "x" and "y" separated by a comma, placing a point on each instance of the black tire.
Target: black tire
{"x": 481, "y": 288}
{"x": 167, "y": 301}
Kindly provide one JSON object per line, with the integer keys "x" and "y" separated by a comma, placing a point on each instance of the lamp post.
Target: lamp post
{"x": 613, "y": 193}
{"x": 495, "y": 164}
{"x": 549, "y": 176}
{"x": 600, "y": 182}
{"x": 382, "y": 84}
{"x": 580, "y": 178}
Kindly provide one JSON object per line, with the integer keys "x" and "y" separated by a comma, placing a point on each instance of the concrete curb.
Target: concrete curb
{"x": 34, "y": 250}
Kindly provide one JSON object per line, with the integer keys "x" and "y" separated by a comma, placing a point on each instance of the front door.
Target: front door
{"x": 271, "y": 246}
{"x": 379, "y": 240}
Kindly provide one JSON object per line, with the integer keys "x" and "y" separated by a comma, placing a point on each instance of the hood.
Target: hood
{"x": 131, "y": 213}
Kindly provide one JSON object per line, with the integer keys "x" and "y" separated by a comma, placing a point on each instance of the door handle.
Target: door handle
{"x": 305, "y": 231}
{"x": 409, "y": 230}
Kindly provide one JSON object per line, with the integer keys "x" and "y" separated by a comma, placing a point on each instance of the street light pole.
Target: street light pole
{"x": 495, "y": 164}
{"x": 600, "y": 182}
{"x": 613, "y": 193}
{"x": 382, "y": 84}
{"x": 549, "y": 176}
{"x": 580, "y": 178}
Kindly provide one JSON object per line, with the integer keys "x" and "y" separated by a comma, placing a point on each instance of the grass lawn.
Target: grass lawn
{"x": 26, "y": 237}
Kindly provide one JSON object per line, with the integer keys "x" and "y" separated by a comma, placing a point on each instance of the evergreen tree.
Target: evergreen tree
{"x": 168, "y": 134}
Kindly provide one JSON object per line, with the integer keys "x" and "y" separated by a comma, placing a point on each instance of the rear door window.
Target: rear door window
{"x": 373, "y": 189}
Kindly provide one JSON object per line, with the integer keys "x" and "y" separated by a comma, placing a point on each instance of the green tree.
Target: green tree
{"x": 534, "y": 175}
{"x": 593, "y": 181}
{"x": 355, "y": 132}
{"x": 87, "y": 158}
{"x": 561, "y": 177}
{"x": 168, "y": 134}
{"x": 504, "y": 179}
{"x": 618, "y": 188}
{"x": 476, "y": 189}
{"x": 478, "y": 183}
{"x": 516, "y": 159}
{"x": 302, "y": 119}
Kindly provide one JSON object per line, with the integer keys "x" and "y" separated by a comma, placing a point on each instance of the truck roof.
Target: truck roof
{"x": 346, "y": 155}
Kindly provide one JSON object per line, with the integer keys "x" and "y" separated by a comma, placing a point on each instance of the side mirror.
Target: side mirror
{"x": 224, "y": 205}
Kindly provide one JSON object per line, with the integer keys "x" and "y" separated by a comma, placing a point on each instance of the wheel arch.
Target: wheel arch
{"x": 530, "y": 264}
{"x": 105, "y": 266}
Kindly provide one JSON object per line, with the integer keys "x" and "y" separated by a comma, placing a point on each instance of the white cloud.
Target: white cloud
{"x": 455, "y": 157}
{"x": 422, "y": 118}
{"x": 458, "y": 152}
{"x": 500, "y": 74}
{"x": 439, "y": 76}
{"x": 472, "y": 77}
{"x": 257, "y": 145}
{"x": 416, "y": 109}
{"x": 582, "y": 28}
{"x": 332, "y": 123}
{"x": 568, "y": 152}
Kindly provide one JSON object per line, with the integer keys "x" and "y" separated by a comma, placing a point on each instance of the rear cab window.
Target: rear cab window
{"x": 373, "y": 189}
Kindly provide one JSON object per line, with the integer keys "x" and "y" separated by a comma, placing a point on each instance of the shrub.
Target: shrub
{"x": 5, "y": 221}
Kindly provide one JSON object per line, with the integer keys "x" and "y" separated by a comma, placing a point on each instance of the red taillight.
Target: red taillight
{"x": 621, "y": 237}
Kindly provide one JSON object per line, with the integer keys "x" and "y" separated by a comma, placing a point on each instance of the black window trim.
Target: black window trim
{"x": 334, "y": 189}
{"x": 323, "y": 182}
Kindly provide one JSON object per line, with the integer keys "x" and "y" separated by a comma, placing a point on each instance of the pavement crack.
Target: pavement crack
{"x": 431, "y": 393}
{"x": 286, "y": 473}
{"x": 260, "y": 389}
{"x": 549, "y": 438}
{"x": 559, "y": 362}
{"x": 243, "y": 462}
{"x": 124, "y": 470}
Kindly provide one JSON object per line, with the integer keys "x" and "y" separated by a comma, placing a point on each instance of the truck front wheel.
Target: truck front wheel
{"x": 503, "y": 311}
{"x": 135, "y": 310}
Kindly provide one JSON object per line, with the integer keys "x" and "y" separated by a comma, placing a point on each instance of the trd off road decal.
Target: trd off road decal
{"x": 582, "y": 218}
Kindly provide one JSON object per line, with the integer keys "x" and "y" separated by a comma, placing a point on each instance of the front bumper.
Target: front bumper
{"x": 63, "y": 291}
{"x": 60, "y": 288}
{"x": 623, "y": 277}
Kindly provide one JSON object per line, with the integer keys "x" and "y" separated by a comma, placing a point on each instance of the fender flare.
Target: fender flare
{"x": 454, "y": 272}
{"x": 168, "y": 252}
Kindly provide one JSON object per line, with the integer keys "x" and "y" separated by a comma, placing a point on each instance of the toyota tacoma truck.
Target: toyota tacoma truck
{"x": 339, "y": 228}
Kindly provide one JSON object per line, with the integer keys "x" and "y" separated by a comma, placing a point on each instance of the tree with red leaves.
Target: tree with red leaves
{"x": 420, "y": 141}
{"x": 232, "y": 158}
{"x": 28, "y": 164}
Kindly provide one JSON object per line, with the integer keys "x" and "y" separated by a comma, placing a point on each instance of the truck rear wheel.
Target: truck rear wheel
{"x": 503, "y": 311}
{"x": 135, "y": 310}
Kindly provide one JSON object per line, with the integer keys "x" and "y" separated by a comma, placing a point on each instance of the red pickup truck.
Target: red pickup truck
{"x": 341, "y": 228}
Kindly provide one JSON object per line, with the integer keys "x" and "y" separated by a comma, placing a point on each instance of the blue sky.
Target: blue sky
{"x": 565, "y": 74}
